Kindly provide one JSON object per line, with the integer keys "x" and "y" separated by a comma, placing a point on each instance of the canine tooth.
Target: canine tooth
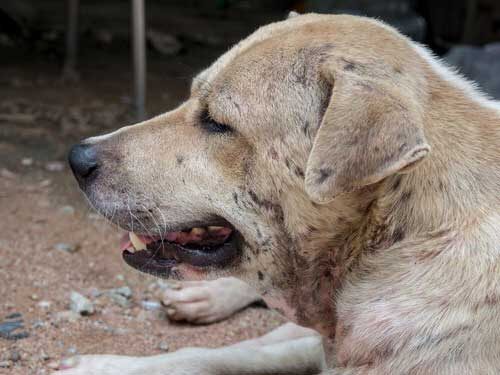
{"x": 136, "y": 241}
{"x": 214, "y": 228}
{"x": 198, "y": 231}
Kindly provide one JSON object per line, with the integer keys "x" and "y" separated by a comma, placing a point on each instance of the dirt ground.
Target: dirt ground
{"x": 51, "y": 243}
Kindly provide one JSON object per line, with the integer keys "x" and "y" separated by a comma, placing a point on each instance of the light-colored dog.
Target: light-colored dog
{"x": 336, "y": 167}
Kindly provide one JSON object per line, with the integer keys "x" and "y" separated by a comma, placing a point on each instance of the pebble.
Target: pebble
{"x": 121, "y": 296}
{"x": 45, "y": 183}
{"x": 67, "y": 210}
{"x": 44, "y": 304}
{"x": 15, "y": 356}
{"x": 151, "y": 305}
{"x": 163, "y": 346}
{"x": 4, "y": 172}
{"x": 81, "y": 304}
{"x": 66, "y": 316}
{"x": 44, "y": 356}
{"x": 66, "y": 247}
{"x": 124, "y": 291}
{"x": 27, "y": 162}
{"x": 71, "y": 350}
{"x": 5, "y": 364}
{"x": 54, "y": 166}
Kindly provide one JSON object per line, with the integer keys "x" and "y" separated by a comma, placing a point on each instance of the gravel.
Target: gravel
{"x": 80, "y": 304}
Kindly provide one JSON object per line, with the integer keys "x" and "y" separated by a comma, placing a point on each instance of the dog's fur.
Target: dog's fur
{"x": 364, "y": 176}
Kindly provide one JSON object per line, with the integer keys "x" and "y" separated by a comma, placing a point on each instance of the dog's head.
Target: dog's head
{"x": 232, "y": 181}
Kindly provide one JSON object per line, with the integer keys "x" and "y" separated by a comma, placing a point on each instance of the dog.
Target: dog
{"x": 325, "y": 163}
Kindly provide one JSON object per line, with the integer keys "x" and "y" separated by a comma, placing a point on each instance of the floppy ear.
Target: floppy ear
{"x": 372, "y": 128}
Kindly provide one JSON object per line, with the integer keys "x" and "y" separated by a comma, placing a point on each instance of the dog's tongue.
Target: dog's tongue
{"x": 140, "y": 242}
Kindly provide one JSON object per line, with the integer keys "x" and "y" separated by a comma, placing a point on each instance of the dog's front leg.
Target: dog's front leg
{"x": 203, "y": 302}
{"x": 289, "y": 349}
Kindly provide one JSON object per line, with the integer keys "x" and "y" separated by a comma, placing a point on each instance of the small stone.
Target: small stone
{"x": 15, "y": 356}
{"x": 121, "y": 296}
{"x": 54, "y": 166}
{"x": 125, "y": 291}
{"x": 34, "y": 297}
{"x": 81, "y": 304}
{"x": 45, "y": 183}
{"x": 163, "y": 346}
{"x": 5, "y": 364}
{"x": 44, "y": 304}
{"x": 151, "y": 305}
{"x": 67, "y": 210}
{"x": 120, "y": 277}
{"x": 26, "y": 162}
{"x": 4, "y": 172}
{"x": 66, "y": 316}
{"x": 71, "y": 351}
{"x": 44, "y": 356}
{"x": 38, "y": 324}
{"x": 120, "y": 300}
{"x": 66, "y": 247}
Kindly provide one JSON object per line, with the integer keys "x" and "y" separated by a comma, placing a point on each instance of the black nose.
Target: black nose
{"x": 83, "y": 161}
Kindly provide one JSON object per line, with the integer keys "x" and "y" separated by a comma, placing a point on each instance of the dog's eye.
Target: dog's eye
{"x": 212, "y": 126}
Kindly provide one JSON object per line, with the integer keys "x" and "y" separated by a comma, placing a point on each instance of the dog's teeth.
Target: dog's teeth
{"x": 214, "y": 228}
{"x": 136, "y": 241}
{"x": 198, "y": 231}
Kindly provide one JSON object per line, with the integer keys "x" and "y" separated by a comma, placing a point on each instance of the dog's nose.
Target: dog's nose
{"x": 83, "y": 161}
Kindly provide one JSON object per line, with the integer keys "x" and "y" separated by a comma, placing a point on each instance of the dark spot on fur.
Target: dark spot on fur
{"x": 288, "y": 163}
{"x": 397, "y": 70}
{"x": 398, "y": 235}
{"x": 299, "y": 172}
{"x": 405, "y": 197}
{"x": 274, "y": 155}
{"x": 305, "y": 128}
{"x": 235, "y": 198}
{"x": 441, "y": 185}
{"x": 257, "y": 230}
{"x": 365, "y": 86}
{"x": 349, "y": 65}
{"x": 324, "y": 173}
{"x": 396, "y": 183}
{"x": 268, "y": 205}
{"x": 403, "y": 146}
{"x": 312, "y": 229}
{"x": 179, "y": 159}
{"x": 260, "y": 275}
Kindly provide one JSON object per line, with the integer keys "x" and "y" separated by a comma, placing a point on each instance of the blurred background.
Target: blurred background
{"x": 75, "y": 68}
{"x": 71, "y": 63}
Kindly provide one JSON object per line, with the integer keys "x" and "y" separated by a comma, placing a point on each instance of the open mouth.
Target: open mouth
{"x": 211, "y": 246}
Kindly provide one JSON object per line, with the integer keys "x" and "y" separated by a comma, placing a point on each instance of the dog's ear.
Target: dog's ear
{"x": 371, "y": 128}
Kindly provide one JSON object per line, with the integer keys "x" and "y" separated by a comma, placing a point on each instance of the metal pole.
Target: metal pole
{"x": 69, "y": 70}
{"x": 139, "y": 57}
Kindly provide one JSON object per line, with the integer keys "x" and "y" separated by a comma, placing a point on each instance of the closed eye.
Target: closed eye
{"x": 211, "y": 126}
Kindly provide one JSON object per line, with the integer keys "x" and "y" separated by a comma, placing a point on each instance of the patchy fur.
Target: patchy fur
{"x": 364, "y": 177}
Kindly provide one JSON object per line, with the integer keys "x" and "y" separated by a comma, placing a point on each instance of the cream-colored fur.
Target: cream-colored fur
{"x": 364, "y": 176}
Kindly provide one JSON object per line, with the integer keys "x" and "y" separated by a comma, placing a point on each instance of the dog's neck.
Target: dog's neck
{"x": 459, "y": 180}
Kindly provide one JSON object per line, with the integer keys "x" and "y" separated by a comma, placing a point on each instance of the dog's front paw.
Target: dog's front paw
{"x": 204, "y": 302}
